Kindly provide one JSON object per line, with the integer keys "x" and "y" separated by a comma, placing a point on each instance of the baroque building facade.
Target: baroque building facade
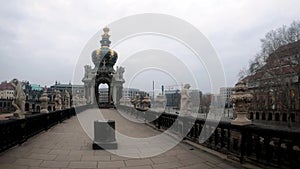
{"x": 275, "y": 86}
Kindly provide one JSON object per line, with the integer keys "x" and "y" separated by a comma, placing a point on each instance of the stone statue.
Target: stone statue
{"x": 19, "y": 99}
{"x": 185, "y": 101}
{"x": 44, "y": 101}
{"x": 119, "y": 72}
{"x": 87, "y": 70}
{"x": 76, "y": 100}
{"x": 58, "y": 102}
{"x": 67, "y": 100}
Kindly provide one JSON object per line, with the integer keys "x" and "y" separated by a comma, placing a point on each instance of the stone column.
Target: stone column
{"x": 241, "y": 100}
{"x": 44, "y": 101}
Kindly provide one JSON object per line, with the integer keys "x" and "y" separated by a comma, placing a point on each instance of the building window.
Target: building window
{"x": 276, "y": 116}
{"x": 263, "y": 116}
{"x": 284, "y": 117}
{"x": 251, "y": 115}
{"x": 270, "y": 117}
{"x": 293, "y": 117}
{"x": 257, "y": 116}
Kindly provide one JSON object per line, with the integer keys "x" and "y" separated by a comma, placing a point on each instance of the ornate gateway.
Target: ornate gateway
{"x": 103, "y": 72}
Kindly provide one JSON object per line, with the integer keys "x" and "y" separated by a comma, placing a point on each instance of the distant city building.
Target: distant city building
{"x": 275, "y": 86}
{"x": 173, "y": 98}
{"x": 71, "y": 88}
{"x": 225, "y": 94}
{"x": 103, "y": 95}
{"x": 6, "y": 97}
{"x": 6, "y": 90}
{"x": 129, "y": 93}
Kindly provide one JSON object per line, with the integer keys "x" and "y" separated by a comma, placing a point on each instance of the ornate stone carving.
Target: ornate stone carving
{"x": 185, "y": 101}
{"x": 241, "y": 100}
{"x": 44, "y": 101}
{"x": 58, "y": 103}
{"x": 67, "y": 100}
{"x": 19, "y": 99}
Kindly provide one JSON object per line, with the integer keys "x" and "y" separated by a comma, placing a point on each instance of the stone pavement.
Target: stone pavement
{"x": 67, "y": 145}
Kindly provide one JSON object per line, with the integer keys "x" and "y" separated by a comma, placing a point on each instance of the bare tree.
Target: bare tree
{"x": 270, "y": 43}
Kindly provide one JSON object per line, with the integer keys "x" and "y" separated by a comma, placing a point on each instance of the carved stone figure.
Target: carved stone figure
{"x": 185, "y": 101}
{"x": 44, "y": 101}
{"x": 67, "y": 100}
{"x": 87, "y": 71}
{"x": 119, "y": 72}
{"x": 76, "y": 100}
{"x": 19, "y": 99}
{"x": 58, "y": 102}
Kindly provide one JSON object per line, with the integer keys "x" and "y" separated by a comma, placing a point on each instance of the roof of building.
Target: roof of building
{"x": 6, "y": 86}
{"x": 36, "y": 87}
{"x": 275, "y": 67}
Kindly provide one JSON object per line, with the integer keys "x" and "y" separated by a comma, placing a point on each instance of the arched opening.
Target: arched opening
{"x": 263, "y": 116}
{"x": 103, "y": 92}
{"x": 276, "y": 116}
{"x": 270, "y": 117}
{"x": 284, "y": 117}
{"x": 53, "y": 108}
{"x": 251, "y": 115}
{"x": 49, "y": 108}
{"x": 257, "y": 116}
{"x": 293, "y": 117}
{"x": 26, "y": 106}
{"x": 38, "y": 108}
{"x": 33, "y": 107}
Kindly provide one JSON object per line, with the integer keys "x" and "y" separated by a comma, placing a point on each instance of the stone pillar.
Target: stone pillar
{"x": 241, "y": 100}
{"x": 44, "y": 101}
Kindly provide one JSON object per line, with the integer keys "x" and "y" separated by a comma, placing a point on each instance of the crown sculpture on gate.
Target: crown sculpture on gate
{"x": 105, "y": 56}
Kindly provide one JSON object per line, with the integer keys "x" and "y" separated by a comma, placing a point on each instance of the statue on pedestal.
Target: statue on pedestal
{"x": 185, "y": 101}
{"x": 241, "y": 99}
{"x": 19, "y": 99}
{"x": 67, "y": 100}
{"x": 58, "y": 102}
{"x": 44, "y": 101}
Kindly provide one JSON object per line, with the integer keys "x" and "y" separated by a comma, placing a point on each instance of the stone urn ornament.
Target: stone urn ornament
{"x": 241, "y": 100}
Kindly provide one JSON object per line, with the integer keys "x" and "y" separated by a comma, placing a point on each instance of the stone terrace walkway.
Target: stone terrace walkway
{"x": 66, "y": 145}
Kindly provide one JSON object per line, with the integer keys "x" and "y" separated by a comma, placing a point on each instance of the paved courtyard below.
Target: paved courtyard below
{"x": 67, "y": 145}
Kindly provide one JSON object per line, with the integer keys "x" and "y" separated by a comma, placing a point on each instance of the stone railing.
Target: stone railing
{"x": 256, "y": 144}
{"x": 17, "y": 131}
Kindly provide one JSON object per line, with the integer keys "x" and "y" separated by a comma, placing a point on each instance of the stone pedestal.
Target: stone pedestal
{"x": 44, "y": 101}
{"x": 241, "y": 99}
{"x": 241, "y": 119}
{"x": 104, "y": 135}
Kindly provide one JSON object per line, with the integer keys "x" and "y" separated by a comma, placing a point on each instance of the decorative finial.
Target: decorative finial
{"x": 105, "y": 42}
{"x": 106, "y": 30}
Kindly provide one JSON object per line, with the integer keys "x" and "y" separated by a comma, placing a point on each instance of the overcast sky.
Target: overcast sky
{"x": 41, "y": 40}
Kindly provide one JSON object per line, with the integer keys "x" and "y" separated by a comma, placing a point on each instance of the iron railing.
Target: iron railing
{"x": 17, "y": 131}
{"x": 258, "y": 144}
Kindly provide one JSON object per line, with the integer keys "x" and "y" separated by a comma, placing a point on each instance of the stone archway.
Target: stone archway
{"x": 103, "y": 77}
